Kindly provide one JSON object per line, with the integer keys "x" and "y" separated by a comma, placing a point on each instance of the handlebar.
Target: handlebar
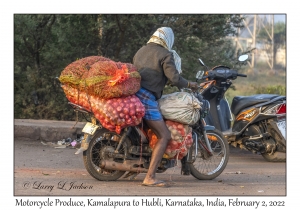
{"x": 242, "y": 75}
{"x": 222, "y": 73}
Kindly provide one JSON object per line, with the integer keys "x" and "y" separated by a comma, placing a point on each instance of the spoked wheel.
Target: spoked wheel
{"x": 209, "y": 166}
{"x": 102, "y": 147}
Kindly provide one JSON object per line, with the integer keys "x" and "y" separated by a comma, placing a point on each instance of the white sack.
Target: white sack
{"x": 181, "y": 107}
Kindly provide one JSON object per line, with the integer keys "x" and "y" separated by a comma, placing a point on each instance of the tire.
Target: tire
{"x": 99, "y": 149}
{"x": 275, "y": 157}
{"x": 205, "y": 167}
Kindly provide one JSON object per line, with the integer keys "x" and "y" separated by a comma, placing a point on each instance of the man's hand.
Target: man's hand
{"x": 193, "y": 85}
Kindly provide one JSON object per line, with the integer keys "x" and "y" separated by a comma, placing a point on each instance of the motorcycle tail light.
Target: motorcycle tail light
{"x": 277, "y": 109}
{"x": 281, "y": 109}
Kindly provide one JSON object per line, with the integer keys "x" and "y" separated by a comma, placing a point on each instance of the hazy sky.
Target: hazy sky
{"x": 279, "y": 18}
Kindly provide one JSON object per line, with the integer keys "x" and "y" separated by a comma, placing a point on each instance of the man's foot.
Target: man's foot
{"x": 159, "y": 183}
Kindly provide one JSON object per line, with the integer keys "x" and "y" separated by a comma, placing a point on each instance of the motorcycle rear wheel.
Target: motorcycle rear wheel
{"x": 101, "y": 148}
{"x": 204, "y": 166}
{"x": 275, "y": 157}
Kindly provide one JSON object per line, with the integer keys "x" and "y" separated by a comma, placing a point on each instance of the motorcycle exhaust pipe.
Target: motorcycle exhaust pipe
{"x": 111, "y": 165}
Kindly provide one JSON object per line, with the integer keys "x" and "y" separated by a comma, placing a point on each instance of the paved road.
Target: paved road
{"x": 44, "y": 170}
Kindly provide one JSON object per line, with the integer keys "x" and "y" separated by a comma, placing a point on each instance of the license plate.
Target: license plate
{"x": 281, "y": 126}
{"x": 90, "y": 128}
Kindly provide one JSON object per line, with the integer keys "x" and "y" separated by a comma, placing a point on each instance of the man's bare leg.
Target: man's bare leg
{"x": 163, "y": 136}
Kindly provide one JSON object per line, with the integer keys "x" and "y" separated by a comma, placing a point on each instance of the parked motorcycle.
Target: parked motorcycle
{"x": 108, "y": 156}
{"x": 259, "y": 120}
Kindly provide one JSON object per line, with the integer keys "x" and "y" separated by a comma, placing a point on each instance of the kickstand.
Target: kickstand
{"x": 130, "y": 175}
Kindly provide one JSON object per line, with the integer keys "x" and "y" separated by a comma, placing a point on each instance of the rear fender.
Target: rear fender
{"x": 209, "y": 127}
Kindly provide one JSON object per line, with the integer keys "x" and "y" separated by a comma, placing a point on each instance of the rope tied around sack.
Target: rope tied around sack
{"x": 120, "y": 76}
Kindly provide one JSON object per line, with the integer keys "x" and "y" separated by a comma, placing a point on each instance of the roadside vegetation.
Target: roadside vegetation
{"x": 45, "y": 44}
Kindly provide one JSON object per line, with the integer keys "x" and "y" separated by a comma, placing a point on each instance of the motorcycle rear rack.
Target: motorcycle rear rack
{"x": 76, "y": 107}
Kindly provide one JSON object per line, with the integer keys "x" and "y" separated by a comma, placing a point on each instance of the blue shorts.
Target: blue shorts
{"x": 152, "y": 111}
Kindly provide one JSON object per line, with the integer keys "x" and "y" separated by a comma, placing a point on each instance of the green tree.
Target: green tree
{"x": 195, "y": 35}
{"x": 45, "y": 44}
{"x": 31, "y": 35}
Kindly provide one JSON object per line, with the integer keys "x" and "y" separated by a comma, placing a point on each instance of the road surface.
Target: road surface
{"x": 44, "y": 170}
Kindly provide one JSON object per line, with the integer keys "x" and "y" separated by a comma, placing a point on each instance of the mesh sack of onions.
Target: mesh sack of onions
{"x": 181, "y": 140}
{"x": 109, "y": 79}
{"x": 73, "y": 73}
{"x": 72, "y": 83}
{"x": 117, "y": 113}
{"x": 76, "y": 96}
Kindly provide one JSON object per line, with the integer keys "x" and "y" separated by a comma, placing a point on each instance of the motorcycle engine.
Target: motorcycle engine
{"x": 256, "y": 141}
{"x": 252, "y": 131}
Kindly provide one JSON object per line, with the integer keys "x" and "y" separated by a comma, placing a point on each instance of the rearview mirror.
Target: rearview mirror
{"x": 201, "y": 62}
{"x": 243, "y": 58}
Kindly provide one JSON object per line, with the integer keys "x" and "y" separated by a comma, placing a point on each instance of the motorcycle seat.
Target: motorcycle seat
{"x": 241, "y": 102}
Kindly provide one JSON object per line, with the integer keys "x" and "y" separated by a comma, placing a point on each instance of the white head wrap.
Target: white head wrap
{"x": 165, "y": 37}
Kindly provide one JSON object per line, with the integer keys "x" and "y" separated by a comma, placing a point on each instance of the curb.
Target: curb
{"x": 46, "y": 130}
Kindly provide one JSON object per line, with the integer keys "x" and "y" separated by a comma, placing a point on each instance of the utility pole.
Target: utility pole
{"x": 270, "y": 32}
{"x": 253, "y": 24}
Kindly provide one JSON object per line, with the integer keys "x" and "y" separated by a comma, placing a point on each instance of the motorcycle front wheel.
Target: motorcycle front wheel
{"x": 207, "y": 166}
{"x": 102, "y": 147}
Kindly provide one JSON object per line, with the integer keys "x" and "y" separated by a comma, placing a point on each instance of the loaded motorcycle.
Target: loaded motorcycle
{"x": 259, "y": 124}
{"x": 108, "y": 155}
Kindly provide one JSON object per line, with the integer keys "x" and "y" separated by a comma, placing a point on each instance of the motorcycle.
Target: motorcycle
{"x": 260, "y": 120}
{"x": 107, "y": 155}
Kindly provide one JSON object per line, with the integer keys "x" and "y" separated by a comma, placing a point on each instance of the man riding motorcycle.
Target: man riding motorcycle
{"x": 157, "y": 63}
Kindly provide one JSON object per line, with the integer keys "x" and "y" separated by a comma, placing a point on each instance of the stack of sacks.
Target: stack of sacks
{"x": 106, "y": 88}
